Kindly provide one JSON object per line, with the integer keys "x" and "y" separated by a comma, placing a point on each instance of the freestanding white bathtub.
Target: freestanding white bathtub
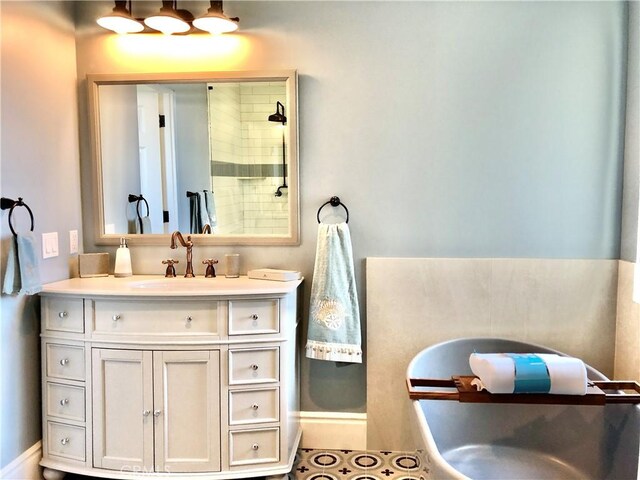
{"x": 506, "y": 441}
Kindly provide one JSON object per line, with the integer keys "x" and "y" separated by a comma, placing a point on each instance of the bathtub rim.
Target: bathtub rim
{"x": 544, "y": 349}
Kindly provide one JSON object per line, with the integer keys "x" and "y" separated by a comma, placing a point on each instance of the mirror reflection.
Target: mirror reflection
{"x": 208, "y": 157}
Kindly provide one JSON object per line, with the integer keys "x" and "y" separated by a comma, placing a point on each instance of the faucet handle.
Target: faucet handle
{"x": 171, "y": 270}
{"x": 210, "y": 272}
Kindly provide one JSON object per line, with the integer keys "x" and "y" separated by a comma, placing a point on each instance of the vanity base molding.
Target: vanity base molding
{"x": 170, "y": 386}
{"x": 56, "y": 471}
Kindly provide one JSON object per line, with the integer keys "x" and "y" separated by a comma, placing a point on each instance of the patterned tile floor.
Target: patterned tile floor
{"x": 317, "y": 464}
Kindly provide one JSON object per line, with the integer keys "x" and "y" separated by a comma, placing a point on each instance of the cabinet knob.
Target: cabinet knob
{"x": 64, "y": 401}
{"x": 255, "y": 406}
{"x": 116, "y": 317}
{"x": 189, "y": 318}
{"x": 146, "y": 413}
{"x": 65, "y": 441}
{"x": 254, "y": 367}
{"x": 63, "y": 314}
{"x": 255, "y": 446}
{"x": 254, "y": 316}
{"x": 156, "y": 413}
{"x": 64, "y": 361}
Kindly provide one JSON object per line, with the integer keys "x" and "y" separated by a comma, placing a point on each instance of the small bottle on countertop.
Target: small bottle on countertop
{"x": 123, "y": 260}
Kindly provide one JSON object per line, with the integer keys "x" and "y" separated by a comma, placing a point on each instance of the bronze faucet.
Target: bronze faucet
{"x": 189, "y": 246}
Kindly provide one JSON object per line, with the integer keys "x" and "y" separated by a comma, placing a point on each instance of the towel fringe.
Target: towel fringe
{"x": 337, "y": 352}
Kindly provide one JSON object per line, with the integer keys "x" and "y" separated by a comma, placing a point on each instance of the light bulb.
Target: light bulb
{"x": 167, "y": 25}
{"x": 120, "y": 22}
{"x": 215, "y": 24}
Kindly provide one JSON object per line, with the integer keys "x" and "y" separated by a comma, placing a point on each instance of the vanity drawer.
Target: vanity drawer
{"x": 254, "y": 446}
{"x": 253, "y": 406}
{"x": 160, "y": 317}
{"x": 65, "y": 401}
{"x": 256, "y": 365}
{"x": 253, "y": 317}
{"x": 66, "y": 441}
{"x": 65, "y": 361}
{"x": 63, "y": 314}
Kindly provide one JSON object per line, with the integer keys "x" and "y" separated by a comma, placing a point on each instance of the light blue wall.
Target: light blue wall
{"x": 472, "y": 130}
{"x": 450, "y": 129}
{"x": 40, "y": 163}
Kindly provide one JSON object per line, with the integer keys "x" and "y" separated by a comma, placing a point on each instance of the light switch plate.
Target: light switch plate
{"x": 73, "y": 241}
{"x": 49, "y": 244}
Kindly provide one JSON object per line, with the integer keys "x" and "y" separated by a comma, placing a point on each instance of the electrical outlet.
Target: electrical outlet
{"x": 73, "y": 241}
{"x": 49, "y": 244}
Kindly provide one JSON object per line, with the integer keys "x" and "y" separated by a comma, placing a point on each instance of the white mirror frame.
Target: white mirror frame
{"x": 290, "y": 77}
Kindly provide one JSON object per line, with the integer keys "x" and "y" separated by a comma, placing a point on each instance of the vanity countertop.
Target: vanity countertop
{"x": 159, "y": 286}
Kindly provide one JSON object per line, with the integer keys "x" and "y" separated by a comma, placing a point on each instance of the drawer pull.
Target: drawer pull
{"x": 65, "y": 441}
{"x": 63, "y": 314}
{"x": 116, "y": 317}
{"x": 189, "y": 318}
{"x": 255, "y": 446}
{"x": 146, "y": 413}
{"x": 255, "y": 316}
{"x": 254, "y": 367}
{"x": 255, "y": 406}
{"x": 64, "y": 361}
{"x": 64, "y": 401}
{"x": 156, "y": 413}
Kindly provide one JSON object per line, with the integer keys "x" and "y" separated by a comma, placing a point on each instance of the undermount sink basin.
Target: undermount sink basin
{"x": 180, "y": 283}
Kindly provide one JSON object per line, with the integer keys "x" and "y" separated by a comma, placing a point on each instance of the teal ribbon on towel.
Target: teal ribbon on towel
{"x": 532, "y": 375}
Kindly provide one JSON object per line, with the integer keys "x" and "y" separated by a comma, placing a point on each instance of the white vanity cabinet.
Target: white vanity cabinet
{"x": 160, "y": 382}
{"x": 156, "y": 411}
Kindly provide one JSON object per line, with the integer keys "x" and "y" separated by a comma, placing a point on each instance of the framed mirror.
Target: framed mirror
{"x": 211, "y": 154}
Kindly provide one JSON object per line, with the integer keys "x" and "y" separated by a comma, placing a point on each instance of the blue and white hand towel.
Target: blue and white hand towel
{"x": 23, "y": 273}
{"x": 334, "y": 316}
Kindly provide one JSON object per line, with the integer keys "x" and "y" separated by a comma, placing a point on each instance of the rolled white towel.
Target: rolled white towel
{"x": 496, "y": 373}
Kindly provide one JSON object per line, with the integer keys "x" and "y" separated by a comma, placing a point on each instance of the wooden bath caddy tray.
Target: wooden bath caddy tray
{"x": 466, "y": 393}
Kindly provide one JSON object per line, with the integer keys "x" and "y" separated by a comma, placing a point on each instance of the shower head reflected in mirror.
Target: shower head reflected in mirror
{"x": 280, "y": 117}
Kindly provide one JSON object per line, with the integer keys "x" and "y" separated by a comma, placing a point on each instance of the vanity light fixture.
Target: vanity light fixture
{"x": 120, "y": 19}
{"x": 215, "y": 21}
{"x": 168, "y": 20}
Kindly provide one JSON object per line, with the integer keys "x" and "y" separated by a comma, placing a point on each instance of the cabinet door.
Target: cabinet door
{"x": 122, "y": 410}
{"x": 186, "y": 393}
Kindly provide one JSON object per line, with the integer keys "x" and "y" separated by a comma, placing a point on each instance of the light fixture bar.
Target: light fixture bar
{"x": 169, "y": 20}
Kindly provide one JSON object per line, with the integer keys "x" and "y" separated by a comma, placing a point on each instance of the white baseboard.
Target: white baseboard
{"x": 26, "y": 466}
{"x": 334, "y": 430}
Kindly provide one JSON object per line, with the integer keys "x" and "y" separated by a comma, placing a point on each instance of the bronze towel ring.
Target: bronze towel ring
{"x": 10, "y": 204}
{"x": 334, "y": 202}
